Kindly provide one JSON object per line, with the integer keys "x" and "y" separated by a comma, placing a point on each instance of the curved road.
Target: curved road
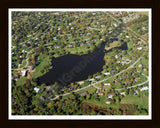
{"x": 93, "y": 84}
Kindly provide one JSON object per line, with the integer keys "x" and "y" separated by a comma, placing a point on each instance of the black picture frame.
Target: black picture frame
{"x": 5, "y": 5}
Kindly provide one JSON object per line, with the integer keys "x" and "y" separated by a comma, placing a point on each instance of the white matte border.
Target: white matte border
{"x": 80, "y": 117}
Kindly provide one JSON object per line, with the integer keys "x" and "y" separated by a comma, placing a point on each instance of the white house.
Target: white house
{"x": 92, "y": 79}
{"x": 23, "y": 72}
{"x": 36, "y": 89}
{"x": 29, "y": 36}
{"x": 115, "y": 24}
{"x": 107, "y": 102}
{"x": 127, "y": 36}
{"x": 110, "y": 31}
{"x": 144, "y": 88}
{"x": 98, "y": 77}
{"x": 123, "y": 93}
{"x": 107, "y": 83}
{"x": 140, "y": 48}
{"x": 116, "y": 56}
{"x": 107, "y": 73}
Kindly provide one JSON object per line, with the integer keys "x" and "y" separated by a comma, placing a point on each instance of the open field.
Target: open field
{"x": 140, "y": 101}
{"x": 143, "y": 13}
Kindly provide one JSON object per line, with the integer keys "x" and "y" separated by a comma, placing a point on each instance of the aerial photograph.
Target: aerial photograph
{"x": 79, "y": 63}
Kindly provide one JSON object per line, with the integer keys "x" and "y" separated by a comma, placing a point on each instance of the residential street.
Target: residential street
{"x": 93, "y": 84}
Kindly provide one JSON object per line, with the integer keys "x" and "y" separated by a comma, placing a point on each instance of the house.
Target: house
{"x": 123, "y": 77}
{"x": 101, "y": 93}
{"x": 127, "y": 36}
{"x": 54, "y": 38}
{"x": 145, "y": 69}
{"x": 117, "y": 82}
{"x": 30, "y": 68}
{"x": 144, "y": 88}
{"x": 139, "y": 43}
{"x": 137, "y": 79}
{"x": 102, "y": 25}
{"x": 50, "y": 89}
{"x": 83, "y": 94}
{"x": 36, "y": 89}
{"x": 107, "y": 102}
{"x": 70, "y": 45}
{"x": 123, "y": 93}
{"x": 81, "y": 82}
{"x": 113, "y": 71}
{"x": 72, "y": 88}
{"x": 62, "y": 90}
{"x": 115, "y": 24}
{"x": 140, "y": 48}
{"x": 140, "y": 65}
{"x": 16, "y": 79}
{"x": 116, "y": 56}
{"x": 107, "y": 84}
{"x": 110, "y": 95}
{"x": 135, "y": 92}
{"x": 98, "y": 77}
{"x": 24, "y": 73}
{"x": 92, "y": 79}
{"x": 56, "y": 46}
{"x": 107, "y": 73}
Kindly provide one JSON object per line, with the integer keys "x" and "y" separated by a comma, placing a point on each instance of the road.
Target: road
{"x": 128, "y": 28}
{"x": 25, "y": 60}
{"x": 93, "y": 84}
{"x": 28, "y": 58}
{"x": 137, "y": 84}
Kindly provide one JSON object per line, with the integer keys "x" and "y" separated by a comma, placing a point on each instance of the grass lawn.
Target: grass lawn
{"x": 112, "y": 45}
{"x": 40, "y": 67}
{"x": 90, "y": 89}
{"x": 78, "y": 49}
{"x": 97, "y": 102}
{"x": 101, "y": 102}
{"x": 23, "y": 63}
{"x": 140, "y": 101}
{"x": 143, "y": 12}
{"x": 118, "y": 86}
{"x": 104, "y": 87}
{"x": 21, "y": 81}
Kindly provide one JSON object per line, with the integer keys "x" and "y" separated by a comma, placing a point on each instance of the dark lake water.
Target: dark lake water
{"x": 71, "y": 68}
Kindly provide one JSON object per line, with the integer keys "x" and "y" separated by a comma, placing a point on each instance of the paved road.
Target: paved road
{"x": 28, "y": 58}
{"x": 25, "y": 60}
{"x": 93, "y": 84}
{"x": 133, "y": 86}
{"x": 136, "y": 84}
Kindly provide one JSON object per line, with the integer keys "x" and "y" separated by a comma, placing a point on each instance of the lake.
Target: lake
{"x": 71, "y": 68}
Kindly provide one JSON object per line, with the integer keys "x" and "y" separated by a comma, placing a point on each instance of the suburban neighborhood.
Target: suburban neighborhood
{"x": 105, "y": 55}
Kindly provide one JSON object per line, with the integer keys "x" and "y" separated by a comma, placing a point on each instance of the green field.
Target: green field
{"x": 140, "y": 101}
{"x": 143, "y": 13}
{"x": 23, "y": 64}
{"x": 41, "y": 68}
